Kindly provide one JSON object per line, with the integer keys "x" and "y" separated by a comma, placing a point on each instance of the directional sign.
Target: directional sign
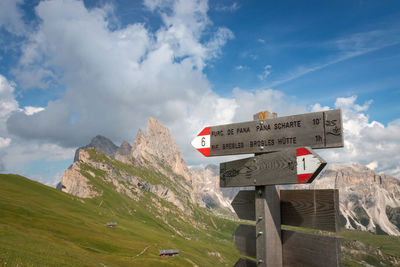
{"x": 298, "y": 249}
{"x": 316, "y": 209}
{"x": 316, "y": 130}
{"x": 288, "y": 166}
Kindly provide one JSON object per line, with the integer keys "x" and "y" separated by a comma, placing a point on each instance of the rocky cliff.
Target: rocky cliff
{"x": 154, "y": 151}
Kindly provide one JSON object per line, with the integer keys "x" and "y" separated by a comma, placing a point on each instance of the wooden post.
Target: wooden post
{"x": 268, "y": 218}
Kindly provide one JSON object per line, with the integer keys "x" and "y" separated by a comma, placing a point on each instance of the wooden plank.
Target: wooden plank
{"x": 268, "y": 226}
{"x": 244, "y": 262}
{"x": 310, "y": 250}
{"x": 316, "y": 130}
{"x": 288, "y": 166}
{"x": 245, "y": 240}
{"x": 244, "y": 205}
{"x": 316, "y": 209}
{"x": 302, "y": 249}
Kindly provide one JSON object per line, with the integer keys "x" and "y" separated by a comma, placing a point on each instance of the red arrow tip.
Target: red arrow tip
{"x": 205, "y": 131}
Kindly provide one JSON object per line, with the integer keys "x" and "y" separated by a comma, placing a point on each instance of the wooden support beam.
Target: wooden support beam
{"x": 268, "y": 219}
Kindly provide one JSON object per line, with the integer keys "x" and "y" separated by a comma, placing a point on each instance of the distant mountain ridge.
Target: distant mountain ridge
{"x": 368, "y": 200}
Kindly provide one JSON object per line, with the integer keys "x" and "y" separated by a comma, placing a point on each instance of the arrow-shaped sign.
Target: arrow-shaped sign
{"x": 298, "y": 249}
{"x": 289, "y": 166}
{"x": 317, "y": 209}
{"x": 316, "y": 130}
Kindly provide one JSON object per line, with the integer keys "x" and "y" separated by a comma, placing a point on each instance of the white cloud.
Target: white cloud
{"x": 28, "y": 110}
{"x": 4, "y": 142}
{"x": 8, "y": 104}
{"x": 228, "y": 8}
{"x": 11, "y": 16}
{"x": 266, "y": 72}
{"x": 240, "y": 67}
{"x": 317, "y": 107}
{"x": 366, "y": 142}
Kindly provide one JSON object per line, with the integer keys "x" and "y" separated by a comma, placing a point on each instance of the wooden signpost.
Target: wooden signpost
{"x": 290, "y": 161}
{"x": 315, "y": 130}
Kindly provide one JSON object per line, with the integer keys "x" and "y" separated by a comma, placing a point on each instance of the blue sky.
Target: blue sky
{"x": 70, "y": 70}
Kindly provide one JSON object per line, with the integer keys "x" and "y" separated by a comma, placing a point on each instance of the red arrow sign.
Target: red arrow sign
{"x": 288, "y": 166}
{"x": 202, "y": 142}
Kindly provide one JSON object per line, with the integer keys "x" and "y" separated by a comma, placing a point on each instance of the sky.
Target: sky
{"x": 70, "y": 70}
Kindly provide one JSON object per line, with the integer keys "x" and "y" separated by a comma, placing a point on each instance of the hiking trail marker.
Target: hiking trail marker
{"x": 289, "y": 166}
{"x": 283, "y": 155}
{"x": 316, "y": 130}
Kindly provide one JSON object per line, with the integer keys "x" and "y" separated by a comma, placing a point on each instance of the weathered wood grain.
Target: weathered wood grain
{"x": 316, "y": 209}
{"x": 245, "y": 240}
{"x": 310, "y": 250}
{"x": 266, "y": 169}
{"x": 299, "y": 249}
{"x": 244, "y": 262}
{"x": 244, "y": 205}
{"x": 316, "y": 130}
{"x": 268, "y": 226}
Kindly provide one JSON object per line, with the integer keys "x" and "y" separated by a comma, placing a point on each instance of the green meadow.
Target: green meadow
{"x": 41, "y": 226}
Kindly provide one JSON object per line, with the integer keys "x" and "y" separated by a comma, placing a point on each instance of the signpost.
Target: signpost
{"x": 315, "y": 130}
{"x": 289, "y": 166}
{"x": 290, "y": 161}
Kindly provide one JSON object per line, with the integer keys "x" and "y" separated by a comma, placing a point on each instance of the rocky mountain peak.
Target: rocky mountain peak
{"x": 104, "y": 145}
{"x": 100, "y": 143}
{"x": 125, "y": 149}
{"x": 157, "y": 144}
{"x": 124, "y": 152}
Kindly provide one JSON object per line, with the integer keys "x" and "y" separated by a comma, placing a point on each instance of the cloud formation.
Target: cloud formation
{"x": 115, "y": 78}
{"x": 367, "y": 142}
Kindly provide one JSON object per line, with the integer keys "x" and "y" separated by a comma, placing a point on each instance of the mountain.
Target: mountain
{"x": 154, "y": 150}
{"x": 368, "y": 200}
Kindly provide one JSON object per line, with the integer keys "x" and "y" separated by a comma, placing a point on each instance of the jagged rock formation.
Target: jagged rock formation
{"x": 154, "y": 150}
{"x": 158, "y": 145}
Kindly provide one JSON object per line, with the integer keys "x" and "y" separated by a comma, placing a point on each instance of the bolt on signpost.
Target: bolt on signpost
{"x": 283, "y": 155}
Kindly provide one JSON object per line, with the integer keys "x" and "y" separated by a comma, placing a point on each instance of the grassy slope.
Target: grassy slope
{"x": 40, "y": 226}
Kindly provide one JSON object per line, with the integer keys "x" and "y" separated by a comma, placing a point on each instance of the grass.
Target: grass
{"x": 40, "y": 226}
